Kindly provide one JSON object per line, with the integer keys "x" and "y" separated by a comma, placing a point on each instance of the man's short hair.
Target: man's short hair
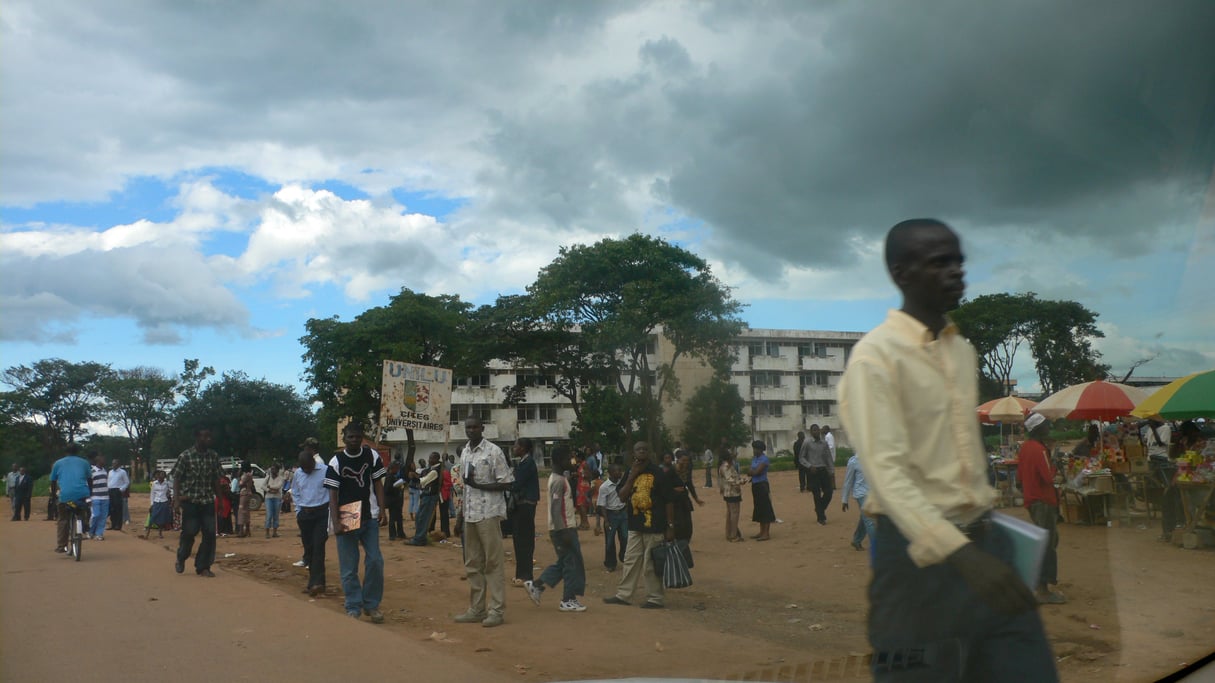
{"x": 200, "y": 430}
{"x": 353, "y": 427}
{"x": 759, "y": 445}
{"x": 525, "y": 443}
{"x": 898, "y": 239}
{"x": 72, "y": 449}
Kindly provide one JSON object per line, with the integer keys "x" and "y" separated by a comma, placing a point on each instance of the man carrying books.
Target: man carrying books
{"x": 351, "y": 474}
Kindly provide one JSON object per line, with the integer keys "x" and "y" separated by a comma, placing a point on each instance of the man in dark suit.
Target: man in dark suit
{"x": 526, "y": 492}
{"x": 23, "y": 493}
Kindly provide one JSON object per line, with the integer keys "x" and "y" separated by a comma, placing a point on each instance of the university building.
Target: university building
{"x": 787, "y": 378}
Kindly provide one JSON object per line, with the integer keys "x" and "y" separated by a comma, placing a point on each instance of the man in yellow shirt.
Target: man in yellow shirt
{"x": 945, "y": 602}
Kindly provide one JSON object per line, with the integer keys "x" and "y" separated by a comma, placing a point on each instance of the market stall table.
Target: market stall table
{"x": 1007, "y": 486}
{"x": 1195, "y": 496}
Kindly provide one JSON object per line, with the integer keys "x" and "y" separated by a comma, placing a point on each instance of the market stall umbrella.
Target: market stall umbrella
{"x": 1099, "y": 400}
{"x": 1007, "y": 409}
{"x": 1189, "y": 397}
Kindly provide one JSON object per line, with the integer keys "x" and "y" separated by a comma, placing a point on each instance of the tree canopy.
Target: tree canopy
{"x": 1059, "y": 335}
{"x": 714, "y": 413}
{"x": 343, "y": 361}
{"x": 250, "y": 419}
{"x": 59, "y": 394}
{"x": 619, "y": 292}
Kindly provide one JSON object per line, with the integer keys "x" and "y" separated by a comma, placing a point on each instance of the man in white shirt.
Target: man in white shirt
{"x": 829, "y": 439}
{"x": 487, "y": 476}
{"x": 612, "y": 519}
{"x": 118, "y": 483}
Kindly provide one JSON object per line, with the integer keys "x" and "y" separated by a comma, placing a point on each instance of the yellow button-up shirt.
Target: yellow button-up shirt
{"x": 908, "y": 402}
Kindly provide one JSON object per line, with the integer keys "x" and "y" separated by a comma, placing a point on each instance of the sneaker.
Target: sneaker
{"x": 353, "y": 614}
{"x": 857, "y": 546}
{"x": 61, "y": 550}
{"x": 206, "y": 573}
{"x": 88, "y": 536}
{"x": 377, "y": 617}
{"x": 533, "y": 591}
{"x": 469, "y": 617}
{"x": 298, "y": 564}
{"x": 492, "y": 621}
{"x": 613, "y": 600}
{"x": 652, "y": 605}
{"x": 179, "y": 566}
{"x": 571, "y": 606}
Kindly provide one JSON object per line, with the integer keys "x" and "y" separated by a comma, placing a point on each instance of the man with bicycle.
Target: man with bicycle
{"x": 70, "y": 480}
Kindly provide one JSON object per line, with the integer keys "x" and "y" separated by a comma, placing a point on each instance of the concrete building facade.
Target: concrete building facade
{"x": 787, "y": 378}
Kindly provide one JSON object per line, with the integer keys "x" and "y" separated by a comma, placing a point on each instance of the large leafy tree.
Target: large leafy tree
{"x": 715, "y": 412}
{"x": 59, "y": 394}
{"x": 619, "y": 292}
{"x": 250, "y": 419}
{"x": 141, "y": 401}
{"x": 997, "y": 325}
{"x": 515, "y": 330}
{"x": 1061, "y": 334}
{"x": 343, "y": 361}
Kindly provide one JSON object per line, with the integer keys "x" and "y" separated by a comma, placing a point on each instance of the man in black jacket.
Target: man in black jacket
{"x": 526, "y": 493}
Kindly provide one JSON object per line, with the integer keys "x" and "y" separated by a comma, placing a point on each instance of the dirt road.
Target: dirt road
{"x": 789, "y": 609}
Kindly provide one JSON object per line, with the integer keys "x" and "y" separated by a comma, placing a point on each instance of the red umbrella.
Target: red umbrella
{"x": 1099, "y": 400}
{"x": 1007, "y": 409}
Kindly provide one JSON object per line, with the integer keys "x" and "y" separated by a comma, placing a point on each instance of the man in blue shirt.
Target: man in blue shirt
{"x": 312, "y": 517}
{"x": 70, "y": 480}
{"x": 856, "y": 487}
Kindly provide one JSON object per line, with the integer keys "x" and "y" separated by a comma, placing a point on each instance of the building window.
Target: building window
{"x": 755, "y": 349}
{"x": 547, "y": 413}
{"x": 817, "y": 378}
{"x": 817, "y": 408}
{"x": 461, "y": 413}
{"x": 767, "y": 409}
{"x": 473, "y": 381}
{"x": 651, "y": 345}
{"x": 773, "y": 349}
{"x": 765, "y": 379}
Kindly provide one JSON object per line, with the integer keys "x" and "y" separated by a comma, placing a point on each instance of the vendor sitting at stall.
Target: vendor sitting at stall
{"x": 1042, "y": 500}
{"x": 1090, "y": 445}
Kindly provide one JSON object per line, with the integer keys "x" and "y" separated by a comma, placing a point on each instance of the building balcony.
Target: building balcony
{"x": 461, "y": 395}
{"x": 818, "y": 393}
{"x": 773, "y": 363}
{"x": 831, "y": 419}
{"x": 558, "y": 429}
{"x": 776, "y": 423}
{"x": 774, "y": 394}
{"x": 833, "y": 363}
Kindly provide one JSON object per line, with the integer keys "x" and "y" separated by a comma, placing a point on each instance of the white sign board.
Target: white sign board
{"x": 416, "y": 397}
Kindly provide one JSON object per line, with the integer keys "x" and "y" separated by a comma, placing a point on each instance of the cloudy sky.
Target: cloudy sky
{"x": 182, "y": 180}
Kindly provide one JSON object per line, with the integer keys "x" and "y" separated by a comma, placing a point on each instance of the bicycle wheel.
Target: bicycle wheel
{"x": 77, "y": 536}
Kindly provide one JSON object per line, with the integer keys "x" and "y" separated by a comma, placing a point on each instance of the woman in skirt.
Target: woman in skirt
{"x": 759, "y": 491}
{"x": 160, "y": 516}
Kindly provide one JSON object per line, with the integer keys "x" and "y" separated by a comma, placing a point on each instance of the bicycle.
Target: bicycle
{"x": 75, "y": 530}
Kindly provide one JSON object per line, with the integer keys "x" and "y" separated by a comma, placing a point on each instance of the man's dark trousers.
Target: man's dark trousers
{"x": 615, "y": 537}
{"x": 116, "y": 509}
{"x": 926, "y": 624}
{"x": 523, "y": 537}
{"x": 197, "y": 517}
{"x": 314, "y": 533}
{"x": 822, "y": 486}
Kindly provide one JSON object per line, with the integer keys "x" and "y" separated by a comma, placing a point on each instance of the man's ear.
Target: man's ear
{"x": 897, "y": 273}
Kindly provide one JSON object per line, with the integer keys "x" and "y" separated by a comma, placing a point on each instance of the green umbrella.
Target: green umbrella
{"x": 1184, "y": 399}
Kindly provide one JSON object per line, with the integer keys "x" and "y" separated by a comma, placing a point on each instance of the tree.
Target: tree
{"x": 190, "y": 382}
{"x": 997, "y": 325}
{"x": 141, "y": 401}
{"x": 607, "y": 417}
{"x": 249, "y": 419}
{"x": 618, "y": 293}
{"x": 1061, "y": 334}
{"x": 515, "y": 330}
{"x": 344, "y": 360}
{"x": 714, "y": 413}
{"x": 54, "y": 392}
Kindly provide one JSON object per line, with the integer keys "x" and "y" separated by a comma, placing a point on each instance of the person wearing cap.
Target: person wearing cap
{"x": 945, "y": 602}
{"x": 1042, "y": 500}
